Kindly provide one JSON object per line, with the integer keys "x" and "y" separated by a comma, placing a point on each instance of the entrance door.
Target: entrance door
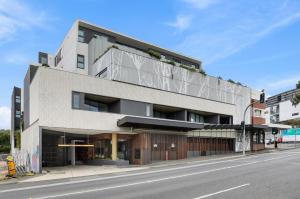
{"x": 124, "y": 150}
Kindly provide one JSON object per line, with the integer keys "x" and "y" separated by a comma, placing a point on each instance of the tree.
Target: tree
{"x": 298, "y": 85}
{"x": 4, "y": 141}
{"x": 295, "y": 99}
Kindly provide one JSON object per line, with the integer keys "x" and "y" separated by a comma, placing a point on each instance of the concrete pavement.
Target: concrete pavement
{"x": 270, "y": 175}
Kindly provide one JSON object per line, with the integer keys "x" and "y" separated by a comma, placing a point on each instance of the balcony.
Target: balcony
{"x": 143, "y": 70}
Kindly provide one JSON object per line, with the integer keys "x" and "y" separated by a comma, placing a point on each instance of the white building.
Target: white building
{"x": 106, "y": 98}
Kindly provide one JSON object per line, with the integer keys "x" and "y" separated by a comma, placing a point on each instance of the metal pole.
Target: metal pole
{"x": 244, "y": 129}
{"x": 295, "y": 131}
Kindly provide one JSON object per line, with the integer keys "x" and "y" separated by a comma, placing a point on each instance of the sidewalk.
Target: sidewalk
{"x": 55, "y": 173}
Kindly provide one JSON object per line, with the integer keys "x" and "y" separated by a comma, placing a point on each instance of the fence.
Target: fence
{"x": 22, "y": 162}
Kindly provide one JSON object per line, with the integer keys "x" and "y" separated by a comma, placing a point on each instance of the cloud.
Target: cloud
{"x": 228, "y": 28}
{"x": 4, "y": 117}
{"x": 15, "y": 16}
{"x": 15, "y": 58}
{"x": 181, "y": 23}
{"x": 200, "y": 4}
{"x": 281, "y": 84}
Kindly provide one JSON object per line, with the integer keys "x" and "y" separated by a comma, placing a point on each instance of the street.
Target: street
{"x": 269, "y": 175}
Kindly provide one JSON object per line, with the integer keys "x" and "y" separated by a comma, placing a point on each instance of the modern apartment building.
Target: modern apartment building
{"x": 106, "y": 98}
{"x": 281, "y": 111}
{"x": 16, "y": 114}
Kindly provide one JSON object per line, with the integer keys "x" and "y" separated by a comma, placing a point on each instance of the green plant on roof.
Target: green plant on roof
{"x": 155, "y": 54}
{"x": 202, "y": 72}
{"x": 170, "y": 62}
{"x": 298, "y": 85}
{"x": 231, "y": 81}
{"x": 220, "y": 77}
{"x": 114, "y": 46}
{"x": 188, "y": 68}
{"x": 239, "y": 83}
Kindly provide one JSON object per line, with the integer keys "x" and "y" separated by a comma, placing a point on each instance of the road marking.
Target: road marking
{"x": 156, "y": 180}
{"x": 222, "y": 191}
{"x": 128, "y": 175}
{"x": 120, "y": 176}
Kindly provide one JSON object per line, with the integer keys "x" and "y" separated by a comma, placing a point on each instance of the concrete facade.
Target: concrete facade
{"x": 118, "y": 77}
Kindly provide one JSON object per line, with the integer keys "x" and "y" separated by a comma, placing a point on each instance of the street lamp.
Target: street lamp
{"x": 261, "y": 100}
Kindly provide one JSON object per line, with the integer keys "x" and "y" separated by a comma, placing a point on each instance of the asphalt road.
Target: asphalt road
{"x": 270, "y": 175}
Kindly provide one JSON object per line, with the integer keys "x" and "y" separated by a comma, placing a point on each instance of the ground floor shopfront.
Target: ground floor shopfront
{"x": 63, "y": 148}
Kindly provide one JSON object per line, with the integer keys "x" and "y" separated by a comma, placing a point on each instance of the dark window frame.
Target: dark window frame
{"x": 81, "y": 38}
{"x": 80, "y": 62}
{"x": 58, "y": 57}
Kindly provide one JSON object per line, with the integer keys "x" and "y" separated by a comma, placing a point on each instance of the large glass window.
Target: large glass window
{"x": 159, "y": 114}
{"x": 80, "y": 61}
{"x": 76, "y": 100}
{"x": 92, "y": 105}
{"x": 196, "y": 118}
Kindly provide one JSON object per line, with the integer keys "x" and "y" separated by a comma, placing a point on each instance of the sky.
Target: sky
{"x": 254, "y": 42}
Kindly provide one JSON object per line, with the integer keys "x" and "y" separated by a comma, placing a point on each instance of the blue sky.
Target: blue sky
{"x": 254, "y": 42}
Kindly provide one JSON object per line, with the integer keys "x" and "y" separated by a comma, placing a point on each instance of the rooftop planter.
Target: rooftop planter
{"x": 202, "y": 72}
{"x": 170, "y": 62}
{"x": 188, "y": 68}
{"x": 155, "y": 54}
{"x": 237, "y": 83}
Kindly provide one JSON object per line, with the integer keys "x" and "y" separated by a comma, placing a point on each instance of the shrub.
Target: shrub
{"x": 231, "y": 81}
{"x": 202, "y": 72}
{"x": 220, "y": 77}
{"x": 298, "y": 85}
{"x": 114, "y": 46}
{"x": 155, "y": 54}
{"x": 170, "y": 62}
{"x": 239, "y": 83}
{"x": 188, "y": 68}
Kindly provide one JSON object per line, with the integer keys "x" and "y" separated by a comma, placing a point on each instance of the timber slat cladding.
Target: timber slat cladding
{"x": 160, "y": 147}
{"x": 209, "y": 146}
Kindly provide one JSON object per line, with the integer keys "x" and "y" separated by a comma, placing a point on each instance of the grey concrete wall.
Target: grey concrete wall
{"x": 26, "y": 99}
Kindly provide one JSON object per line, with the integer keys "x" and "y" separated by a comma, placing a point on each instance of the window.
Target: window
{"x": 76, "y": 100}
{"x": 18, "y": 114}
{"x": 58, "y": 57}
{"x": 18, "y": 99}
{"x": 80, "y": 61}
{"x": 257, "y": 113}
{"x": 81, "y": 34}
{"x": 92, "y": 105}
{"x": 148, "y": 110}
{"x": 196, "y": 118}
{"x": 159, "y": 114}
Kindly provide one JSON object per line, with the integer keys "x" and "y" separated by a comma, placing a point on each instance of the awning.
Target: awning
{"x": 158, "y": 123}
{"x": 235, "y": 126}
